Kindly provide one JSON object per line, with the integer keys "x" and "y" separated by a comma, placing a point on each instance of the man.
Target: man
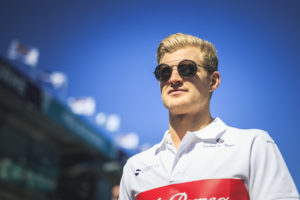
{"x": 200, "y": 157}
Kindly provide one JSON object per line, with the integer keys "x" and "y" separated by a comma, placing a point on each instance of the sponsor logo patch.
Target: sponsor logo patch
{"x": 137, "y": 172}
{"x": 145, "y": 169}
{"x": 210, "y": 189}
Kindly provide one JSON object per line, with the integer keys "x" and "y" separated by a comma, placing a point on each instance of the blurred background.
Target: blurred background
{"x": 78, "y": 95}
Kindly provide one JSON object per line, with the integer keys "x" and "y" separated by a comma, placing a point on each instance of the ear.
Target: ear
{"x": 215, "y": 79}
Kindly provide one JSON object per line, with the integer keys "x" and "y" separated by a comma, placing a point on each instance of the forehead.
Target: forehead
{"x": 191, "y": 53}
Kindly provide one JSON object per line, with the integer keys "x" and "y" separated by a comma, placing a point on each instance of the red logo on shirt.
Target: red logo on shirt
{"x": 210, "y": 189}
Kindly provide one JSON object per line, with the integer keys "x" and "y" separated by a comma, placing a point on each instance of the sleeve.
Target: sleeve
{"x": 124, "y": 190}
{"x": 269, "y": 175}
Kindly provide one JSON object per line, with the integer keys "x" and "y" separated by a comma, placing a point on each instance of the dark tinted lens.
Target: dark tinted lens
{"x": 187, "y": 68}
{"x": 163, "y": 72}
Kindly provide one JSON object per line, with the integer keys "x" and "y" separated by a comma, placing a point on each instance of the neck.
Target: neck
{"x": 181, "y": 123}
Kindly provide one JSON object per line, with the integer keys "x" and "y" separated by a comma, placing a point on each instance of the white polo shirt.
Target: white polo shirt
{"x": 214, "y": 163}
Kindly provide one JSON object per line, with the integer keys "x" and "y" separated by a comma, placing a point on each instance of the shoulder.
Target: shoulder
{"x": 247, "y": 138}
{"x": 248, "y": 134}
{"x": 133, "y": 167}
{"x": 239, "y": 134}
{"x": 141, "y": 159}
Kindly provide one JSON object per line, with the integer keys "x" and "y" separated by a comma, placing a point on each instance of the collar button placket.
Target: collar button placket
{"x": 176, "y": 163}
{"x": 169, "y": 158}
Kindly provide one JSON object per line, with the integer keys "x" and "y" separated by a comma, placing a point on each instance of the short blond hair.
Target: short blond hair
{"x": 178, "y": 41}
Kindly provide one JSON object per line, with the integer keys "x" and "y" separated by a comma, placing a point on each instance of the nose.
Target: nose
{"x": 175, "y": 78}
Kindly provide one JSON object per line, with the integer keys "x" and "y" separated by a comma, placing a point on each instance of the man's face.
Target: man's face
{"x": 186, "y": 95}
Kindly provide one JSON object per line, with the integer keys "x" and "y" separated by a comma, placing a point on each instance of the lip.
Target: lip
{"x": 176, "y": 91}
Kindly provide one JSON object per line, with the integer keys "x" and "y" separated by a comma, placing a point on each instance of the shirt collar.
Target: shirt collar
{"x": 163, "y": 143}
{"x": 211, "y": 132}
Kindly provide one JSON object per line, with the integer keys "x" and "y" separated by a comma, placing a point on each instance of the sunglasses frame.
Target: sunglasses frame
{"x": 158, "y": 68}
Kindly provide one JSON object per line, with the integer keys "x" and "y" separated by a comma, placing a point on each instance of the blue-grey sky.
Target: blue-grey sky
{"x": 107, "y": 49}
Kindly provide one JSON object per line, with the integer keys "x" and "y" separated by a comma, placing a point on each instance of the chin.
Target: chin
{"x": 177, "y": 109}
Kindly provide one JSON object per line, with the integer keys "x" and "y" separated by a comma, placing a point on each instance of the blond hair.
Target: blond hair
{"x": 179, "y": 40}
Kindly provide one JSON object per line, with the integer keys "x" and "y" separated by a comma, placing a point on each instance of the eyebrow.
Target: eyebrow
{"x": 173, "y": 60}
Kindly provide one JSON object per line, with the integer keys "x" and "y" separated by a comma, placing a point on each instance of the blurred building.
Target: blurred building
{"x": 47, "y": 152}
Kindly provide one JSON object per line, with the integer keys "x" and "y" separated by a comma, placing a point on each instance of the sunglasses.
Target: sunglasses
{"x": 185, "y": 68}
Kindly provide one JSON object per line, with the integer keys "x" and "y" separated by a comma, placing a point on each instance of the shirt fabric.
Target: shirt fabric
{"x": 216, "y": 162}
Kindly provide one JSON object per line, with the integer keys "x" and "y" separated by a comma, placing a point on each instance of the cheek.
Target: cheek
{"x": 202, "y": 88}
{"x": 162, "y": 87}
